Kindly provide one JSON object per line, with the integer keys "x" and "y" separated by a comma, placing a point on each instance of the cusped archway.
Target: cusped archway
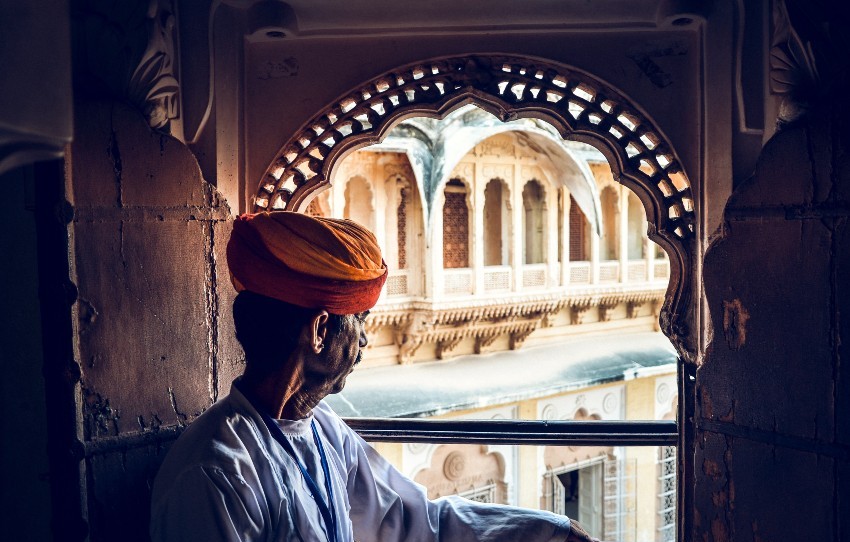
{"x": 580, "y": 107}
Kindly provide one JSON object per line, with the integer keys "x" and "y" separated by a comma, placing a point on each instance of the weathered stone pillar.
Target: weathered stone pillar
{"x": 773, "y": 395}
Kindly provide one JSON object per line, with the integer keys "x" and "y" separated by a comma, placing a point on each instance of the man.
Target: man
{"x": 271, "y": 461}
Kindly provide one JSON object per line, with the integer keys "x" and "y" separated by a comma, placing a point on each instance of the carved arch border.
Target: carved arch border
{"x": 580, "y": 107}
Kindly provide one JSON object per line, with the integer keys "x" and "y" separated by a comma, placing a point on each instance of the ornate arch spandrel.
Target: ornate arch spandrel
{"x": 580, "y": 106}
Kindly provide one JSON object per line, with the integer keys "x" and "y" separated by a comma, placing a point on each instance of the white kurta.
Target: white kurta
{"x": 226, "y": 478}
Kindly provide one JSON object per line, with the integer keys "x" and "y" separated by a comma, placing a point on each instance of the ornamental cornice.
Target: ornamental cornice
{"x": 447, "y": 323}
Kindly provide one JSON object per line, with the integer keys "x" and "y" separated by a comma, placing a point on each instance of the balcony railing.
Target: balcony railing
{"x": 637, "y": 271}
{"x": 398, "y": 283}
{"x": 497, "y": 278}
{"x": 534, "y": 275}
{"x": 500, "y": 278}
{"x": 609, "y": 271}
{"x": 661, "y": 269}
{"x": 580, "y": 273}
{"x": 457, "y": 281}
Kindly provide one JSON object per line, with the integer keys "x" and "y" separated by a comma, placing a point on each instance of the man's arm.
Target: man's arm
{"x": 578, "y": 534}
{"x": 206, "y": 503}
{"x": 387, "y": 506}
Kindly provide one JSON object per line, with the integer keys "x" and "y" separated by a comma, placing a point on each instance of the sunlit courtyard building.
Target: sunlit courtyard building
{"x": 522, "y": 285}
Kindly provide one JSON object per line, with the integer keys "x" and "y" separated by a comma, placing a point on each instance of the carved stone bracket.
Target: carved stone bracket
{"x": 633, "y": 308}
{"x": 802, "y": 51}
{"x": 130, "y": 48}
{"x": 410, "y": 331}
{"x": 484, "y": 340}
{"x": 444, "y": 348}
{"x": 520, "y": 335}
{"x": 577, "y": 313}
{"x": 605, "y": 311}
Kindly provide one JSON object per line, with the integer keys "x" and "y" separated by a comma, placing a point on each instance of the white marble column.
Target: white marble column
{"x": 434, "y": 249}
{"x": 517, "y": 260}
{"x": 565, "y": 238}
{"x": 551, "y": 234}
{"x": 623, "y": 225}
{"x": 595, "y": 241}
{"x": 476, "y": 210}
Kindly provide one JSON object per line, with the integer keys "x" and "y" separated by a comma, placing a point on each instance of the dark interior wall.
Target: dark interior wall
{"x": 147, "y": 256}
{"x": 23, "y": 423}
{"x": 773, "y": 396}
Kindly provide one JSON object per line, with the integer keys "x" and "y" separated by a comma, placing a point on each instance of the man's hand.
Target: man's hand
{"x": 578, "y": 534}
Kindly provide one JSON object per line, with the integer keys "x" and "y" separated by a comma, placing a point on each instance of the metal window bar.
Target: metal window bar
{"x": 529, "y": 432}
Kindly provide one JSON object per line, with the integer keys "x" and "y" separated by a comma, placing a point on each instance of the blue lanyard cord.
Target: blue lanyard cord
{"x": 327, "y": 510}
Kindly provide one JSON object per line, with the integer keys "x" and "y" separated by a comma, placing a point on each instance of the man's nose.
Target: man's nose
{"x": 363, "y": 339}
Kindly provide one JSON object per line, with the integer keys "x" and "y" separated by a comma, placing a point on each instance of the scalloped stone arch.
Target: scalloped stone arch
{"x": 580, "y": 107}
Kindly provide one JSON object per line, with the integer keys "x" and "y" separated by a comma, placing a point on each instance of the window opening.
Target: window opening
{"x": 637, "y": 224}
{"x": 497, "y": 222}
{"x": 443, "y": 326}
{"x": 358, "y": 202}
{"x": 534, "y": 207}
{"x": 579, "y": 239}
{"x": 455, "y": 226}
{"x": 609, "y": 244}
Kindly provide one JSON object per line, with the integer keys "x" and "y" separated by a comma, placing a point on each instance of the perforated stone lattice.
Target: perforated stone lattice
{"x": 455, "y": 231}
{"x": 517, "y": 87}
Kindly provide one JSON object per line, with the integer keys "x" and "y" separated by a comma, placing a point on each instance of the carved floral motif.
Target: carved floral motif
{"x": 127, "y": 49}
{"x": 798, "y": 59}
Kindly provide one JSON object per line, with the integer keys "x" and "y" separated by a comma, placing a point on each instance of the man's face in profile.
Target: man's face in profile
{"x": 325, "y": 373}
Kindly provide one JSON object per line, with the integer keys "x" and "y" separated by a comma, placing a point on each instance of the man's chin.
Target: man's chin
{"x": 336, "y": 388}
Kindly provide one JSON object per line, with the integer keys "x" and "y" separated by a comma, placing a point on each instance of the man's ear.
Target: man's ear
{"x": 318, "y": 331}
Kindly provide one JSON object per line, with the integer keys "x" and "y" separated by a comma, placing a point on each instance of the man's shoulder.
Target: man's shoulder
{"x": 221, "y": 437}
{"x": 328, "y": 418}
{"x": 337, "y": 432}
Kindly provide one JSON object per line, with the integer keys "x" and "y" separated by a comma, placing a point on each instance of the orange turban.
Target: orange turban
{"x": 321, "y": 263}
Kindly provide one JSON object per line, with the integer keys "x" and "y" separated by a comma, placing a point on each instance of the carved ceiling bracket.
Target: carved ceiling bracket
{"x": 804, "y": 57}
{"x": 577, "y": 312}
{"x": 128, "y": 50}
{"x": 519, "y": 336}
{"x": 633, "y": 308}
{"x": 605, "y": 310}
{"x": 444, "y": 348}
{"x": 485, "y": 340}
